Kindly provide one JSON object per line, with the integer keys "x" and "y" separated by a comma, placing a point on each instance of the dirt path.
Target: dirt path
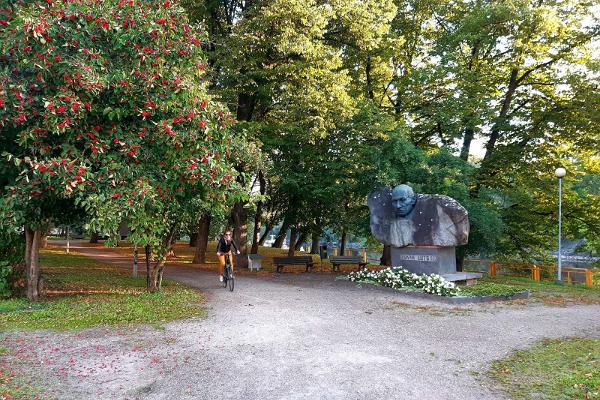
{"x": 297, "y": 336}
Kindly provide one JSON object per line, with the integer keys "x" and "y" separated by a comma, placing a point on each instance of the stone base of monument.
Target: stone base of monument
{"x": 431, "y": 260}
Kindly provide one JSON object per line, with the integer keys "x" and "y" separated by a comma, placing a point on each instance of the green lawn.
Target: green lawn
{"x": 552, "y": 369}
{"x": 548, "y": 291}
{"x": 83, "y": 293}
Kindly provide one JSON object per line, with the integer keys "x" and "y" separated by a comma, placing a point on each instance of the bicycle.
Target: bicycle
{"x": 228, "y": 277}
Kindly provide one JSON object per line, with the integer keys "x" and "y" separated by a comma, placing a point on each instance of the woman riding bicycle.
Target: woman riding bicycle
{"x": 223, "y": 248}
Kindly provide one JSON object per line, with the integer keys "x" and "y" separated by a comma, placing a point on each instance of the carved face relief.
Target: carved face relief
{"x": 403, "y": 200}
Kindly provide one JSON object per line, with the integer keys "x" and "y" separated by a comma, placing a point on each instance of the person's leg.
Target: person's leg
{"x": 231, "y": 261}
{"x": 221, "y": 264}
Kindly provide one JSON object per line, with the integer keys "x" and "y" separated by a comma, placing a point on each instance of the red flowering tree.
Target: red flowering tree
{"x": 108, "y": 101}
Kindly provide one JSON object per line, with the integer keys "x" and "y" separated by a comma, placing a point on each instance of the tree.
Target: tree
{"x": 110, "y": 107}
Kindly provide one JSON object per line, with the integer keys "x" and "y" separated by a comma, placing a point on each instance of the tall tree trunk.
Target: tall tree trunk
{"x": 386, "y": 256}
{"x": 95, "y": 237}
{"x": 239, "y": 215}
{"x": 343, "y": 242}
{"x": 202, "y": 239}
{"x": 258, "y": 215}
{"x": 293, "y": 235}
{"x": 466, "y": 146}
{"x": 513, "y": 83}
{"x": 193, "y": 237}
{"x": 281, "y": 235}
{"x": 300, "y": 241}
{"x": 265, "y": 235}
{"x": 32, "y": 257}
{"x": 314, "y": 246}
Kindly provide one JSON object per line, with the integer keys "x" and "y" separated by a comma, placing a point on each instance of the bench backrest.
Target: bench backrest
{"x": 293, "y": 260}
{"x": 348, "y": 259}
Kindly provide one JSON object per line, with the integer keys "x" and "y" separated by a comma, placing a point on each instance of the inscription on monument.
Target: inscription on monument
{"x": 418, "y": 257}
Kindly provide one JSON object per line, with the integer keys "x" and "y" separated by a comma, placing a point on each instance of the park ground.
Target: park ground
{"x": 298, "y": 336}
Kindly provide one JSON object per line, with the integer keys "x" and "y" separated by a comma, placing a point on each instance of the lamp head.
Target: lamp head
{"x": 560, "y": 172}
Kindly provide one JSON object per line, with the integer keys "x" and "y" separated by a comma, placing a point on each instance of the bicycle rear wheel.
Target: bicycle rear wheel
{"x": 225, "y": 276}
{"x": 231, "y": 282}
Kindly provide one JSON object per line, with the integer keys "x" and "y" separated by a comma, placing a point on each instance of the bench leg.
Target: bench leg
{"x": 335, "y": 267}
{"x": 279, "y": 268}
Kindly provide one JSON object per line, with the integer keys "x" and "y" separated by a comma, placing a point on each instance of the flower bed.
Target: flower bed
{"x": 399, "y": 278}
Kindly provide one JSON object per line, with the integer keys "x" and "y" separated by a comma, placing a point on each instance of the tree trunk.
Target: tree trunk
{"x": 501, "y": 120}
{"x": 265, "y": 235}
{"x": 292, "y": 248}
{"x": 343, "y": 242}
{"x": 95, "y": 237}
{"x": 148, "y": 251}
{"x": 281, "y": 235}
{"x": 156, "y": 274}
{"x": 193, "y": 238}
{"x": 300, "y": 241}
{"x": 32, "y": 257}
{"x": 314, "y": 247}
{"x": 202, "y": 239}
{"x": 239, "y": 215}
{"x": 258, "y": 215}
{"x": 466, "y": 146}
{"x": 386, "y": 257}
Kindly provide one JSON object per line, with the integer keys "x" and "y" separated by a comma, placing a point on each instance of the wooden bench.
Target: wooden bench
{"x": 280, "y": 262}
{"x": 336, "y": 261}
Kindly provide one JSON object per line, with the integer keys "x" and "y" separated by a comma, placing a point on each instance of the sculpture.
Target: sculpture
{"x": 400, "y": 218}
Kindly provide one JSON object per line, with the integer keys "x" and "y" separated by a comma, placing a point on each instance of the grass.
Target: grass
{"x": 83, "y": 293}
{"x": 550, "y": 292}
{"x": 12, "y": 389}
{"x": 552, "y": 369}
{"x": 490, "y": 289}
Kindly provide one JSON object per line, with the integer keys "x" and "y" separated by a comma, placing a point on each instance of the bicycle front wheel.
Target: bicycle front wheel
{"x": 231, "y": 283}
{"x": 225, "y": 278}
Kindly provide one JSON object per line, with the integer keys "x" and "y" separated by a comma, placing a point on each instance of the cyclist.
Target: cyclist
{"x": 224, "y": 247}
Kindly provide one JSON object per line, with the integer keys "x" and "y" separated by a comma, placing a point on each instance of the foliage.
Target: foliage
{"x": 399, "y": 278}
{"x": 553, "y": 369}
{"x": 84, "y": 293}
{"x": 109, "y": 102}
{"x": 11, "y": 260}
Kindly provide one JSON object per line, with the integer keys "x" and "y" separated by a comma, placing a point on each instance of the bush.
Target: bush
{"x": 11, "y": 261}
{"x": 398, "y": 278}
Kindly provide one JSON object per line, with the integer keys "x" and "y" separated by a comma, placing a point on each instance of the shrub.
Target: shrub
{"x": 11, "y": 260}
{"x": 398, "y": 278}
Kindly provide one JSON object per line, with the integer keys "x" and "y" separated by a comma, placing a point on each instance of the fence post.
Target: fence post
{"x": 493, "y": 269}
{"x": 364, "y": 255}
{"x": 588, "y": 277}
{"x": 335, "y": 250}
{"x": 536, "y": 273}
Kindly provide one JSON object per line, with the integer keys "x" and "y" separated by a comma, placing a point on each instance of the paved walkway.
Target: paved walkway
{"x": 300, "y": 336}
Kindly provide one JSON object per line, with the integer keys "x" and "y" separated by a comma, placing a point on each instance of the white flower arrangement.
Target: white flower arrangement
{"x": 398, "y": 278}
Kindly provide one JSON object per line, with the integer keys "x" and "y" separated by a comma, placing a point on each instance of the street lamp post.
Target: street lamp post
{"x": 560, "y": 173}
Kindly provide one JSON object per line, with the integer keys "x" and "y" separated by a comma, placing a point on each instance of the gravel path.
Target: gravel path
{"x": 297, "y": 336}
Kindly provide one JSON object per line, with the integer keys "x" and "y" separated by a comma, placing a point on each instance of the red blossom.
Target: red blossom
{"x": 116, "y": 195}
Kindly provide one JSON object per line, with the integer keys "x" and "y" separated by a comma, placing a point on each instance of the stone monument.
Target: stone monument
{"x": 422, "y": 230}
